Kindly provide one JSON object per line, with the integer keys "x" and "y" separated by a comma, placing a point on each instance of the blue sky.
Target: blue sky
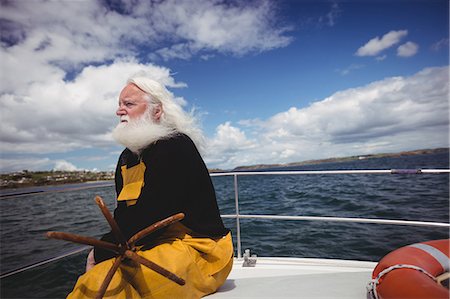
{"x": 271, "y": 81}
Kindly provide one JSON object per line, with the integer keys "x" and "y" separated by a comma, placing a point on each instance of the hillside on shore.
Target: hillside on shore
{"x": 337, "y": 159}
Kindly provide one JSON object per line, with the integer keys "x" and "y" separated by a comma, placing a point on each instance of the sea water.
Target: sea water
{"x": 25, "y": 219}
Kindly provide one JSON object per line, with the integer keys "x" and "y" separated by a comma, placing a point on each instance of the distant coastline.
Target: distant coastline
{"x": 27, "y": 178}
{"x": 337, "y": 160}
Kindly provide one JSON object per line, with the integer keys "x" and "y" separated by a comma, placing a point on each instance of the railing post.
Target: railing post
{"x": 238, "y": 226}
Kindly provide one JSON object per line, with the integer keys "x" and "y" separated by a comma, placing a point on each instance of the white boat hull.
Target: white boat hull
{"x": 297, "y": 278}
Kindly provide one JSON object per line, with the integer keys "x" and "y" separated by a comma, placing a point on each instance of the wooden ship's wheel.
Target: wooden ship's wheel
{"x": 125, "y": 249}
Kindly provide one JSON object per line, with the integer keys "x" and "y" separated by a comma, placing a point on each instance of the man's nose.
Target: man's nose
{"x": 120, "y": 111}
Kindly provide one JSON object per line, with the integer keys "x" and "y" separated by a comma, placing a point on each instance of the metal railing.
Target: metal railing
{"x": 239, "y": 216}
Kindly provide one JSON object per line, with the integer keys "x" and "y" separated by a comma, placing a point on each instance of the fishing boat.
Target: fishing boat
{"x": 254, "y": 276}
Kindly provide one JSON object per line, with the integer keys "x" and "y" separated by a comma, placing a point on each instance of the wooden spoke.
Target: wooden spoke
{"x": 101, "y": 292}
{"x": 154, "y": 227}
{"x": 84, "y": 240}
{"x": 151, "y": 265}
{"x": 112, "y": 223}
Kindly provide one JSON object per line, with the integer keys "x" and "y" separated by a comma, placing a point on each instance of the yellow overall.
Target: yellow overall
{"x": 202, "y": 262}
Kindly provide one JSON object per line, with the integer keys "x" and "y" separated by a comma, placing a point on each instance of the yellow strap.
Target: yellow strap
{"x": 133, "y": 181}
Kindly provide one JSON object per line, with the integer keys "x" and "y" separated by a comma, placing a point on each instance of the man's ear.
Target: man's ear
{"x": 157, "y": 112}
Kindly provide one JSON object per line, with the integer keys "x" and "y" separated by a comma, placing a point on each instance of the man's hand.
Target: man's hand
{"x": 90, "y": 262}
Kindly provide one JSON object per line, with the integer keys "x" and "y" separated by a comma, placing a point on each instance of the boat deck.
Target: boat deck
{"x": 297, "y": 278}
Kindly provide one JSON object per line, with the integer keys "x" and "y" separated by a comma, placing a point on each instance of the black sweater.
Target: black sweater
{"x": 175, "y": 180}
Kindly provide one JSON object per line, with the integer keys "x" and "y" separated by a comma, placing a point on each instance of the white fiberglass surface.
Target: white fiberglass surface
{"x": 297, "y": 278}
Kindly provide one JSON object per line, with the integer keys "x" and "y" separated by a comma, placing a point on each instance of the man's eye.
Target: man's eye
{"x": 129, "y": 104}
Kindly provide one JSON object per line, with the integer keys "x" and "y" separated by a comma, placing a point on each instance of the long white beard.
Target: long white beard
{"x": 139, "y": 133}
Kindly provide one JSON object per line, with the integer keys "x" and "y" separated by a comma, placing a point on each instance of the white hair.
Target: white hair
{"x": 173, "y": 116}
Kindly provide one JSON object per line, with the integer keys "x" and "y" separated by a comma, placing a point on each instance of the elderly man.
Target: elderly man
{"x": 161, "y": 173}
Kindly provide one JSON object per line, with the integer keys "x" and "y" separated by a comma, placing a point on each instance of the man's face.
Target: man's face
{"x": 132, "y": 103}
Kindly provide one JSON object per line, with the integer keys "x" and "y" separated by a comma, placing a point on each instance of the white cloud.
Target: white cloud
{"x": 63, "y": 165}
{"x": 19, "y": 164}
{"x": 229, "y": 144}
{"x": 374, "y": 46}
{"x": 204, "y": 25}
{"x": 392, "y": 106}
{"x": 57, "y": 37}
{"x": 440, "y": 44}
{"x": 54, "y": 115}
{"x": 351, "y": 68}
{"x": 330, "y": 18}
{"x": 35, "y": 164}
{"x": 407, "y": 49}
{"x": 393, "y": 114}
{"x": 47, "y": 40}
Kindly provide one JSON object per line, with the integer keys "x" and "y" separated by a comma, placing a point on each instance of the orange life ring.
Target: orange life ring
{"x": 412, "y": 271}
